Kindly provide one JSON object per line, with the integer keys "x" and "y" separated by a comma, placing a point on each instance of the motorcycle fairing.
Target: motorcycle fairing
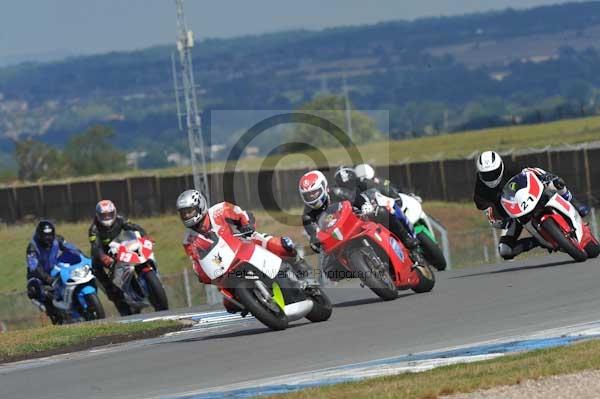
{"x": 568, "y": 211}
{"x": 522, "y": 194}
{"x": 218, "y": 260}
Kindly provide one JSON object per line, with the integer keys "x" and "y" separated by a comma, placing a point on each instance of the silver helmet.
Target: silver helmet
{"x": 192, "y": 207}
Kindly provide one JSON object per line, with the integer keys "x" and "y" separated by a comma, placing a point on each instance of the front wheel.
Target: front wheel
{"x": 380, "y": 283}
{"x": 95, "y": 310}
{"x": 564, "y": 241}
{"x": 322, "y": 307}
{"x": 432, "y": 252}
{"x": 156, "y": 292}
{"x": 426, "y": 279}
{"x": 266, "y": 310}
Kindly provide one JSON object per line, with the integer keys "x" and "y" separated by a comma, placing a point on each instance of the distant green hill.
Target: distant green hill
{"x": 432, "y": 74}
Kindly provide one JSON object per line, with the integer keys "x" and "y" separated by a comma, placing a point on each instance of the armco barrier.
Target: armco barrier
{"x": 444, "y": 180}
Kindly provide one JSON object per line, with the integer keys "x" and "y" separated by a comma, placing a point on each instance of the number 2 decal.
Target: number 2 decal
{"x": 525, "y": 204}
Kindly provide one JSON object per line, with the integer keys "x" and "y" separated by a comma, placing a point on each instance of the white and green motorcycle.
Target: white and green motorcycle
{"x": 412, "y": 208}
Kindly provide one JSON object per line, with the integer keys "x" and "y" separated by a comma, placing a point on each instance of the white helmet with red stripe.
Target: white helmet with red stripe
{"x": 106, "y": 213}
{"x": 313, "y": 189}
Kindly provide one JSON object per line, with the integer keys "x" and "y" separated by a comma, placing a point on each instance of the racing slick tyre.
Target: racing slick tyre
{"x": 432, "y": 252}
{"x": 261, "y": 308}
{"x": 95, "y": 310}
{"x": 568, "y": 244}
{"x": 156, "y": 292}
{"x": 426, "y": 279}
{"x": 322, "y": 308}
{"x": 380, "y": 283}
{"x": 592, "y": 249}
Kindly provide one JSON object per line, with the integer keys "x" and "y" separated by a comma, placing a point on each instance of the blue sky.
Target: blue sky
{"x": 56, "y": 27}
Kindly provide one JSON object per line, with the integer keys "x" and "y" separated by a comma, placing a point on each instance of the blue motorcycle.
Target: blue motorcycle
{"x": 74, "y": 291}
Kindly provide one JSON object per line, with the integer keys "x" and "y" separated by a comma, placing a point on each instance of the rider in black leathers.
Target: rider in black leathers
{"x": 107, "y": 225}
{"x": 492, "y": 176}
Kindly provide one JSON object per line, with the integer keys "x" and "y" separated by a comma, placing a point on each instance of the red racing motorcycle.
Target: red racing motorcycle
{"x": 359, "y": 248}
{"x": 548, "y": 217}
{"x": 135, "y": 272}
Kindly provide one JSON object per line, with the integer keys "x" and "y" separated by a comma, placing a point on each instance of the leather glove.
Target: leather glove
{"x": 247, "y": 230}
{"x": 367, "y": 209}
{"x": 558, "y": 183}
{"x": 315, "y": 244}
{"x": 106, "y": 260}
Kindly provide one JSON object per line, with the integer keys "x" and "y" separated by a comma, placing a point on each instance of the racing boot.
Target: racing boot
{"x": 116, "y": 296}
{"x": 302, "y": 270}
{"x": 410, "y": 242}
{"x": 233, "y": 308}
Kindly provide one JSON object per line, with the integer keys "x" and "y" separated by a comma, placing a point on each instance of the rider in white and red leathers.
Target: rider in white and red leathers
{"x": 491, "y": 179}
{"x": 205, "y": 224}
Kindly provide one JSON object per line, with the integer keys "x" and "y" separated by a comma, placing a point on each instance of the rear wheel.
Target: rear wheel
{"x": 156, "y": 291}
{"x": 426, "y": 279}
{"x": 564, "y": 241}
{"x": 322, "y": 308}
{"x": 95, "y": 310}
{"x": 432, "y": 252}
{"x": 379, "y": 282}
{"x": 264, "y": 309}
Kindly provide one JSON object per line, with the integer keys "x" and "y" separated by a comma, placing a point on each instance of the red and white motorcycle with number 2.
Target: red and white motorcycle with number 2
{"x": 548, "y": 217}
{"x": 135, "y": 272}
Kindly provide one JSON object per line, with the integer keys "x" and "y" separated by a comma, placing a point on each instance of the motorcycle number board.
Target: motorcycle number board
{"x": 217, "y": 261}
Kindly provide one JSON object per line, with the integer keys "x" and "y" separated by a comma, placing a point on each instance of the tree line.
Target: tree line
{"x": 88, "y": 153}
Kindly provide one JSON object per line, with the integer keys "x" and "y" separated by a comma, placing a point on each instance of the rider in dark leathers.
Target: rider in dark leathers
{"x": 492, "y": 176}
{"x": 366, "y": 179}
{"x": 42, "y": 255}
{"x": 107, "y": 225}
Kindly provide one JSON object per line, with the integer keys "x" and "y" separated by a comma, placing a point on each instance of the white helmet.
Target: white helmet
{"x": 313, "y": 189}
{"x": 490, "y": 168}
{"x": 364, "y": 172}
{"x": 192, "y": 207}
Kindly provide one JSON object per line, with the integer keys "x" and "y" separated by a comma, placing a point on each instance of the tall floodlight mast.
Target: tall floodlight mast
{"x": 187, "y": 86}
{"x": 185, "y": 43}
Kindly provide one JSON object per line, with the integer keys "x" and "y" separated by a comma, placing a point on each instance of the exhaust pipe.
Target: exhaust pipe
{"x": 298, "y": 310}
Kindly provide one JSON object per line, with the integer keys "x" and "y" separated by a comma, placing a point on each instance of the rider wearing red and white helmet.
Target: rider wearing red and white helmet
{"x": 106, "y": 226}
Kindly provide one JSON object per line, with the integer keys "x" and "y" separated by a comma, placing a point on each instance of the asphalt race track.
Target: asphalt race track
{"x": 468, "y": 305}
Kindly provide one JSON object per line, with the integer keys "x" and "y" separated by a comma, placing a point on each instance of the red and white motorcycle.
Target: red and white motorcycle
{"x": 261, "y": 282}
{"x": 135, "y": 272}
{"x": 548, "y": 217}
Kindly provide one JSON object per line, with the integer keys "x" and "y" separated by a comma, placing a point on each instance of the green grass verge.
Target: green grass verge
{"x": 455, "y": 145}
{"x": 42, "y": 340}
{"x": 465, "y": 378}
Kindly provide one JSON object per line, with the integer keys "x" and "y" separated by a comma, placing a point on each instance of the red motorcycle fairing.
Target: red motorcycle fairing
{"x": 342, "y": 228}
{"x": 566, "y": 227}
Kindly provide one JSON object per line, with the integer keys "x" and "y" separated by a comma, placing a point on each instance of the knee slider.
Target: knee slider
{"x": 288, "y": 244}
{"x": 506, "y": 251}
